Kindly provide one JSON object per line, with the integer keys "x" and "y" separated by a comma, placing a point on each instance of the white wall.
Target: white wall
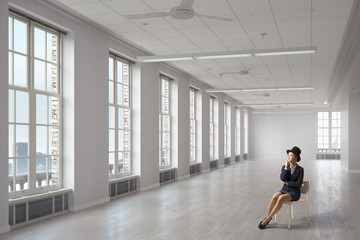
{"x": 354, "y": 132}
{"x": 4, "y": 168}
{"x": 272, "y": 134}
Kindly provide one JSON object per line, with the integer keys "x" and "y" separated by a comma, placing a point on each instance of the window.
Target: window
{"x": 226, "y": 129}
{"x": 35, "y": 160}
{"x": 212, "y": 127}
{"x": 119, "y": 117}
{"x": 164, "y": 123}
{"x": 193, "y": 125}
{"x": 246, "y": 131}
{"x": 329, "y": 132}
{"x": 237, "y": 132}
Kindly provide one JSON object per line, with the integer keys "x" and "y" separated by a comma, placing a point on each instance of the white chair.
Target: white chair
{"x": 305, "y": 190}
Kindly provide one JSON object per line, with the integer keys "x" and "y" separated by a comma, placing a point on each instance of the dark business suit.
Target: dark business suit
{"x": 294, "y": 181}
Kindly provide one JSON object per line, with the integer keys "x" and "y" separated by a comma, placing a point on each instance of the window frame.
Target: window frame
{"x": 212, "y": 126}
{"x": 325, "y": 131}
{"x": 116, "y": 106}
{"x": 226, "y": 154}
{"x": 53, "y": 135}
{"x": 193, "y": 133}
{"x": 161, "y": 117}
{"x": 238, "y": 131}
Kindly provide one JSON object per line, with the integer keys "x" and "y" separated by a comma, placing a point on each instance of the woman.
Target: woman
{"x": 292, "y": 177}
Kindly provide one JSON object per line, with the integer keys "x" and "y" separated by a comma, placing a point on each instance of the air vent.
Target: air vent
{"x": 122, "y": 186}
{"x": 26, "y": 209}
{"x": 195, "y": 169}
{"x": 328, "y": 156}
{"x": 166, "y": 176}
{"x": 214, "y": 164}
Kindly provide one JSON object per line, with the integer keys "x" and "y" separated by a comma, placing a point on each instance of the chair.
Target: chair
{"x": 304, "y": 189}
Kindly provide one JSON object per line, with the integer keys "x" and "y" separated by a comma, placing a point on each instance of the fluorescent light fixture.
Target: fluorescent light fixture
{"x": 223, "y": 90}
{"x": 229, "y": 54}
{"x": 275, "y": 104}
{"x": 284, "y": 51}
{"x": 295, "y": 88}
{"x": 260, "y": 89}
{"x": 234, "y": 54}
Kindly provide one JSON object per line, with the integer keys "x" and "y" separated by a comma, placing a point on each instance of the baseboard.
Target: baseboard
{"x": 184, "y": 177}
{"x": 5, "y": 229}
{"x": 90, "y": 204}
{"x": 353, "y": 171}
{"x": 344, "y": 168}
{"x": 142, "y": 189}
{"x": 206, "y": 170}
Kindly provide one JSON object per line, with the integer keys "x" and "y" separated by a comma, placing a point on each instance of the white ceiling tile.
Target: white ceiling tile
{"x": 70, "y": 2}
{"x": 257, "y": 17}
{"x": 92, "y": 8}
{"x": 214, "y": 10}
{"x": 123, "y": 7}
{"x": 330, "y": 21}
{"x": 294, "y": 24}
{"x": 280, "y": 5}
{"x": 194, "y": 32}
{"x": 327, "y": 3}
{"x": 297, "y": 14}
{"x": 336, "y": 11}
{"x": 106, "y": 19}
{"x": 251, "y": 6}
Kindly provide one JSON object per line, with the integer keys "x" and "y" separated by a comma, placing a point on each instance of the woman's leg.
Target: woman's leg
{"x": 273, "y": 201}
{"x": 280, "y": 201}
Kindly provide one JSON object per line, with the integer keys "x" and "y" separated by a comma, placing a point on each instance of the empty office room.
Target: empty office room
{"x": 179, "y": 119}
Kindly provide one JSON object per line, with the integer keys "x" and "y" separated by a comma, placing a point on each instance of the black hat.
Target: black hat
{"x": 295, "y": 150}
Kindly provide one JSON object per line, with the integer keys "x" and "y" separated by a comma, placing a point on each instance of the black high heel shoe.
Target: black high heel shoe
{"x": 263, "y": 226}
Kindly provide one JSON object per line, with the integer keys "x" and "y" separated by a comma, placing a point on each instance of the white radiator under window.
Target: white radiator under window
{"x": 26, "y": 209}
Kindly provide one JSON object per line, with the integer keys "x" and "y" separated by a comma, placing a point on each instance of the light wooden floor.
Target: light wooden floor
{"x": 227, "y": 203}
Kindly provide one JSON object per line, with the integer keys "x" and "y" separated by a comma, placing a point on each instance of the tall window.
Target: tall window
{"x": 164, "y": 123}
{"x": 237, "y": 132}
{"x": 192, "y": 125}
{"x": 246, "y": 131}
{"x": 35, "y": 160}
{"x": 212, "y": 127}
{"x": 329, "y": 132}
{"x": 119, "y": 117}
{"x": 226, "y": 153}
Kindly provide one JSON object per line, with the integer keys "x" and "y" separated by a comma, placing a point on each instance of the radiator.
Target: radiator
{"x": 227, "y": 161}
{"x": 122, "y": 186}
{"x": 167, "y": 176}
{"x": 214, "y": 164}
{"x": 24, "y": 210}
{"x": 328, "y": 156}
{"x": 195, "y": 169}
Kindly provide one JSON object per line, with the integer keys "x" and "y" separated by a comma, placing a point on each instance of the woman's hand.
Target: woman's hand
{"x": 283, "y": 182}
{"x": 287, "y": 163}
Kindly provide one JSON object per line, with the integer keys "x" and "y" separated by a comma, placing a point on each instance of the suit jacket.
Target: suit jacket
{"x": 294, "y": 181}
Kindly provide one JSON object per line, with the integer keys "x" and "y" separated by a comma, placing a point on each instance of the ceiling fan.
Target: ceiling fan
{"x": 245, "y": 71}
{"x": 183, "y": 11}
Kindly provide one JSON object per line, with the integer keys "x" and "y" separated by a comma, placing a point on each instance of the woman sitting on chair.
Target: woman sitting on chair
{"x": 292, "y": 177}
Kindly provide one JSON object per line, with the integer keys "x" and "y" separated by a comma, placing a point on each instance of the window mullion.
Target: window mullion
{"x": 116, "y": 113}
{"x": 32, "y": 113}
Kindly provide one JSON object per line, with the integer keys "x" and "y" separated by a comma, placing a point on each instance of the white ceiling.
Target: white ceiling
{"x": 257, "y": 24}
